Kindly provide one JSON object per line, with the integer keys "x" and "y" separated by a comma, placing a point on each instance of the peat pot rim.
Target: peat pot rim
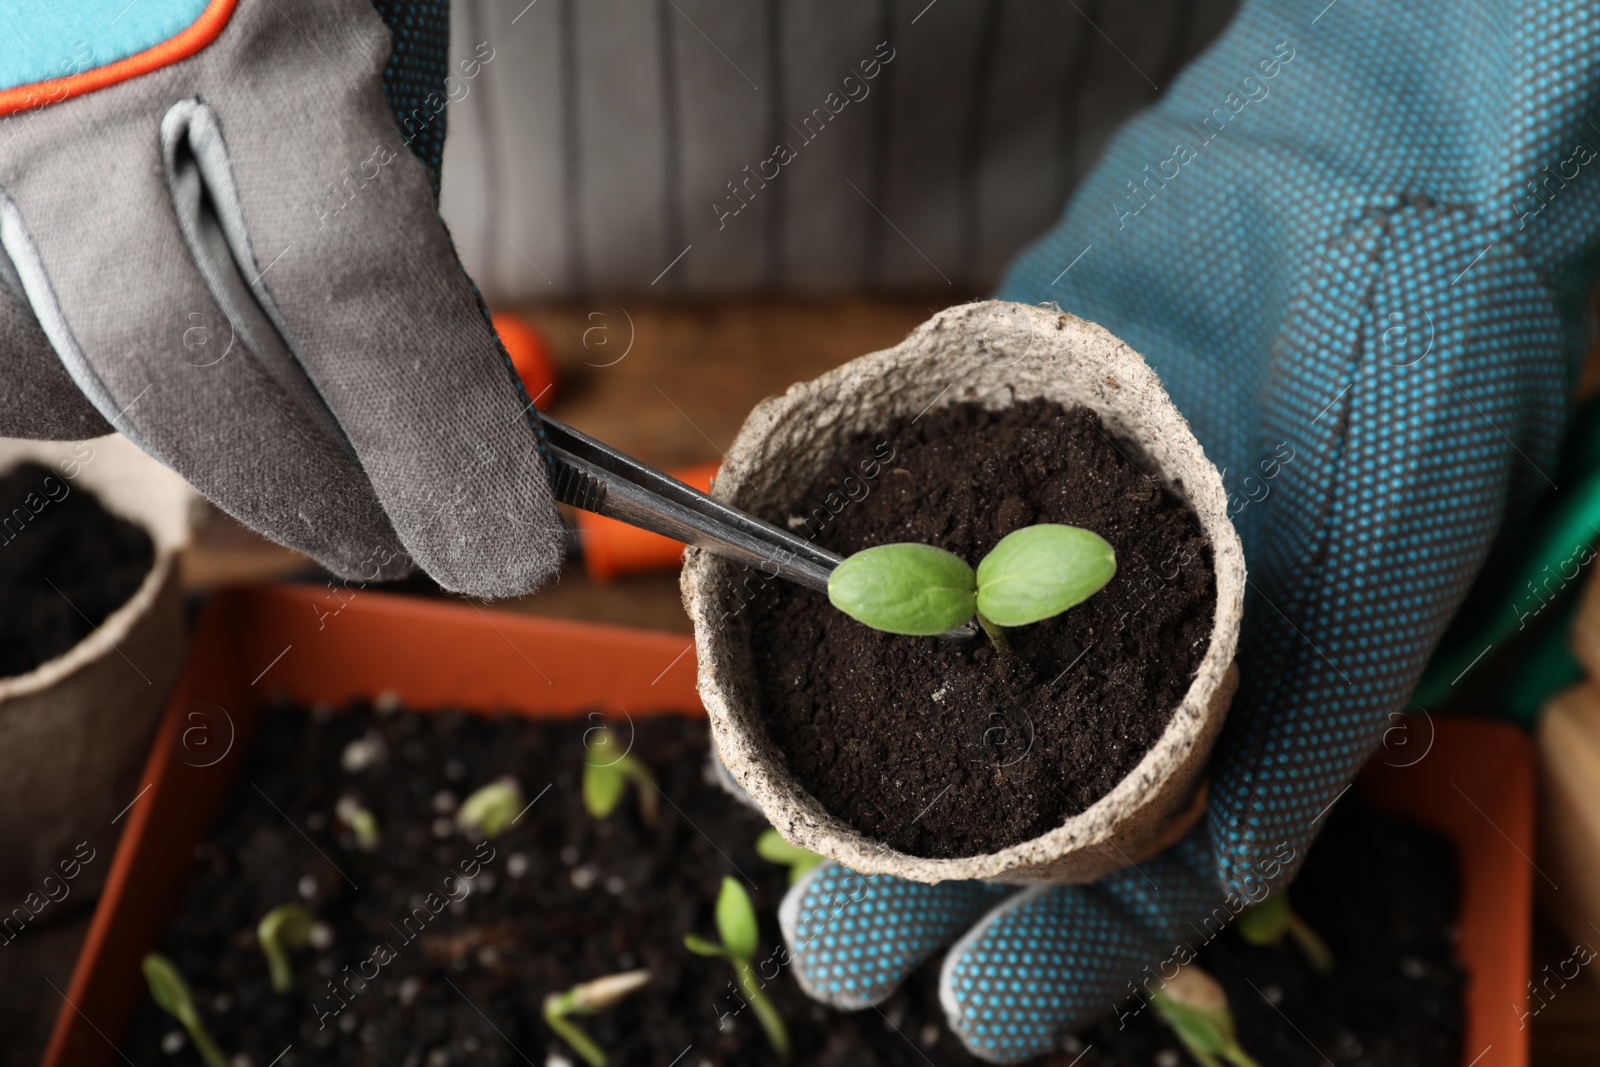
{"x": 131, "y": 486}
{"x": 102, "y": 640}
{"x": 997, "y": 354}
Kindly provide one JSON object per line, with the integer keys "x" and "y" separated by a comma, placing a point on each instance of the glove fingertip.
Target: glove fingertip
{"x": 854, "y": 938}
{"x": 814, "y": 902}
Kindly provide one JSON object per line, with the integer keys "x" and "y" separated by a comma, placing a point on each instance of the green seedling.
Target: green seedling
{"x": 736, "y": 924}
{"x": 280, "y": 931}
{"x": 490, "y": 811}
{"x": 1266, "y": 923}
{"x": 363, "y": 824}
{"x": 172, "y": 996}
{"x": 774, "y": 849}
{"x": 1032, "y": 574}
{"x": 606, "y": 776}
{"x": 589, "y": 998}
{"x": 1195, "y": 1007}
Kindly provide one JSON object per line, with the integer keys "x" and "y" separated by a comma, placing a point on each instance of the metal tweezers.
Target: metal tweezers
{"x": 592, "y": 476}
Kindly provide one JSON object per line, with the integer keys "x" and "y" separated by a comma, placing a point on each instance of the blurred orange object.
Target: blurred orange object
{"x": 529, "y": 354}
{"x": 612, "y": 548}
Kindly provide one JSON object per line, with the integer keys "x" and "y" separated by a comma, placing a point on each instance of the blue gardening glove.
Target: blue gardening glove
{"x": 220, "y": 234}
{"x": 1355, "y": 240}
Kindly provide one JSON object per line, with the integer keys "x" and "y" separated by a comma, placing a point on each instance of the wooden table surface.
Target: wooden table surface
{"x": 670, "y": 384}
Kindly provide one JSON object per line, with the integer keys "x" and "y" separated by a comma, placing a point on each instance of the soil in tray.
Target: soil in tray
{"x": 566, "y": 898}
{"x": 1383, "y": 894}
{"x": 942, "y": 748}
{"x": 67, "y": 566}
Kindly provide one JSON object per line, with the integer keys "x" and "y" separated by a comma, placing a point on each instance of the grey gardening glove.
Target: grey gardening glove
{"x": 232, "y": 254}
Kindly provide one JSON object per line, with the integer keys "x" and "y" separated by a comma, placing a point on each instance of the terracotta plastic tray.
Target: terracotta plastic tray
{"x": 1474, "y": 785}
{"x": 320, "y": 646}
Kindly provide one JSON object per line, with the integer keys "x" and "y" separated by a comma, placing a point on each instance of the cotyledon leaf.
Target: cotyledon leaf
{"x": 1040, "y": 571}
{"x": 905, "y": 589}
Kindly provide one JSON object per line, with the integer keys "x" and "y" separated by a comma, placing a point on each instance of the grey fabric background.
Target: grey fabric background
{"x": 588, "y": 151}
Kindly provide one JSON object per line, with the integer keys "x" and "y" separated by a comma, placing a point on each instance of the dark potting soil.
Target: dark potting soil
{"x": 566, "y": 898}
{"x": 944, "y": 749}
{"x": 66, "y": 563}
{"x": 1383, "y": 894}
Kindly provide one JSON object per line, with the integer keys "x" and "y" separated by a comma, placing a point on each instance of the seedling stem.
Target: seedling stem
{"x": 1195, "y": 1007}
{"x": 284, "y": 928}
{"x": 569, "y": 1031}
{"x": 766, "y": 1011}
{"x": 736, "y": 923}
{"x": 997, "y": 636}
{"x": 589, "y": 998}
{"x": 771, "y": 847}
{"x": 606, "y": 776}
{"x": 362, "y": 823}
{"x": 172, "y": 995}
{"x": 1266, "y": 923}
{"x": 490, "y": 810}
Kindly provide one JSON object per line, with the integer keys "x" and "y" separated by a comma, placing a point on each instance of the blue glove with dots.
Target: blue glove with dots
{"x": 1357, "y": 235}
